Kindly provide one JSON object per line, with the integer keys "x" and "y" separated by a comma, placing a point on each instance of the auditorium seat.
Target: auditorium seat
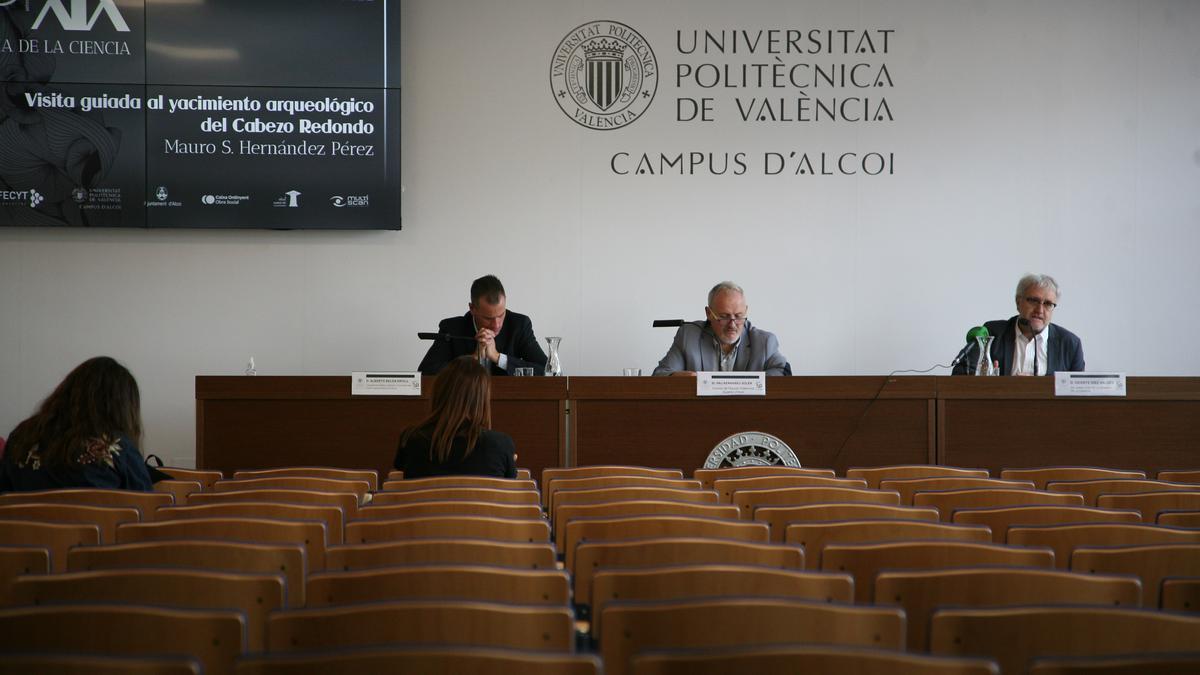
{"x": 1180, "y": 475}
{"x": 1150, "y": 563}
{"x": 105, "y": 517}
{"x": 346, "y": 501}
{"x": 681, "y": 582}
{"x": 472, "y": 527}
{"x": 450, "y": 551}
{"x": 1003, "y": 517}
{"x": 551, "y": 488}
{"x": 522, "y": 474}
{"x": 1066, "y": 538}
{"x": 449, "y": 507}
{"x": 789, "y": 659}
{"x": 334, "y": 473}
{"x": 1014, "y": 636}
{"x": 361, "y": 488}
{"x": 310, "y": 534}
{"x": 748, "y": 500}
{"x": 254, "y": 595}
{"x": 707, "y": 476}
{"x": 1150, "y": 504}
{"x": 581, "y": 530}
{"x": 568, "y": 512}
{"x": 1124, "y": 664}
{"x": 552, "y": 474}
{"x": 97, "y": 664}
{"x": 1180, "y": 594}
{"x": 179, "y": 489}
{"x": 725, "y": 487}
{"x": 779, "y": 517}
{"x": 417, "y": 659}
{"x": 331, "y": 516}
{"x": 1092, "y": 489}
{"x": 146, "y": 502}
{"x": 949, "y": 501}
{"x": 206, "y": 478}
{"x": 458, "y": 481}
{"x": 907, "y": 487}
{"x": 596, "y": 556}
{"x": 18, "y": 560}
{"x": 444, "y": 582}
{"x": 287, "y": 560}
{"x": 814, "y": 537}
{"x": 214, "y": 637}
{"x": 56, "y": 538}
{"x": 865, "y": 561}
{"x": 441, "y": 623}
{"x": 627, "y": 494}
{"x": 630, "y": 628}
{"x": 873, "y": 475}
{"x": 1044, "y": 474}
{"x": 921, "y": 592}
{"x": 499, "y": 496}
{"x": 1189, "y": 519}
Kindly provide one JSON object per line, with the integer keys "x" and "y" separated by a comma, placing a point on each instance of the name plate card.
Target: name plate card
{"x": 385, "y": 384}
{"x": 731, "y": 384}
{"x": 1089, "y": 384}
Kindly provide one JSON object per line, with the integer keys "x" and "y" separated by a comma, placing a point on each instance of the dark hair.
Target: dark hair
{"x": 487, "y": 287}
{"x": 462, "y": 405}
{"x": 99, "y": 399}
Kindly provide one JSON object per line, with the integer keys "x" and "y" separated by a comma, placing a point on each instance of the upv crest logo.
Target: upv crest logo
{"x": 603, "y": 75}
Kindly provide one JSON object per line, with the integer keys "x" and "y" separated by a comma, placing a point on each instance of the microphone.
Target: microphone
{"x": 1025, "y": 323}
{"x": 667, "y": 323}
{"x": 976, "y": 331}
{"x": 446, "y": 337}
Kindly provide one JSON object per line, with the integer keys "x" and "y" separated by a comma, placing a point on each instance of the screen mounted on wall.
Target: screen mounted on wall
{"x": 200, "y": 114}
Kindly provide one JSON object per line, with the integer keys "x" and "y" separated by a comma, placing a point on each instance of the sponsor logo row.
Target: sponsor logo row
{"x": 107, "y": 197}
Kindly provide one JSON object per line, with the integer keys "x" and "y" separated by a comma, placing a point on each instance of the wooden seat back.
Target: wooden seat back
{"x": 458, "y": 481}
{"x": 335, "y": 473}
{"x": 447, "y": 551}
{"x": 346, "y": 501}
{"x": 814, "y": 537}
{"x": 105, "y": 517}
{"x": 790, "y": 659}
{"x": 360, "y": 488}
{"x": 56, "y": 538}
{"x": 449, "y": 507}
{"x": 206, "y": 478}
{"x": 873, "y": 475}
{"x": 779, "y": 517}
{"x": 180, "y": 490}
{"x": 1044, "y": 474}
{"x": 749, "y": 500}
{"x": 708, "y": 476}
{"x": 1180, "y": 475}
{"x": 95, "y": 664}
{"x": 331, "y": 516}
{"x": 445, "y": 582}
{"x": 1189, "y": 519}
{"x": 554, "y": 486}
{"x": 1066, "y": 538}
{"x": 1150, "y": 504}
{"x": 657, "y": 527}
{"x": 146, "y": 502}
{"x": 418, "y": 659}
{"x": 568, "y": 512}
{"x": 725, "y": 487}
{"x": 1092, "y": 489}
{"x": 310, "y": 534}
{"x": 287, "y": 560}
{"x": 1151, "y": 564}
{"x": 907, "y": 487}
{"x": 612, "y": 495}
{"x": 999, "y": 519}
{"x": 920, "y": 592}
{"x": 1180, "y": 594}
{"x": 471, "y": 527}
{"x": 949, "y": 501}
{"x": 18, "y": 560}
{"x": 494, "y": 495}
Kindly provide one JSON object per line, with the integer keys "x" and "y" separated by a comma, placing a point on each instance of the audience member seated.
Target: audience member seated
{"x": 455, "y": 438}
{"x": 85, "y": 434}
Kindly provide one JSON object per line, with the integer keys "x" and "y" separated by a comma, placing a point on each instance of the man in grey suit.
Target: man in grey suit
{"x": 725, "y": 341}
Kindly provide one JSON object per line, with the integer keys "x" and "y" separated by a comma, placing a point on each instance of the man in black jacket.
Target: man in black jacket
{"x": 1028, "y": 344}
{"x": 505, "y": 338}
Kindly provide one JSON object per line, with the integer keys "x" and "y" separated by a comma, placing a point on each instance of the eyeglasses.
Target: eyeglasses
{"x": 738, "y": 319}
{"x": 1046, "y": 304}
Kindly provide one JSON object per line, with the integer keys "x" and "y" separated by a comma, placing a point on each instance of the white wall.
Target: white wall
{"x": 1059, "y": 137}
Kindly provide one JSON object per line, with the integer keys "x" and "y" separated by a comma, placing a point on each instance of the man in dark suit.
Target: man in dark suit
{"x": 505, "y": 338}
{"x": 1028, "y": 344}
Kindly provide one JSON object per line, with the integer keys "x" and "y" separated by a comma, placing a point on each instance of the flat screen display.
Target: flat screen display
{"x": 281, "y": 114}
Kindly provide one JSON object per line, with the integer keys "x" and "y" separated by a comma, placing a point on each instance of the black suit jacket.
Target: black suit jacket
{"x": 515, "y": 340}
{"x": 1064, "y": 350}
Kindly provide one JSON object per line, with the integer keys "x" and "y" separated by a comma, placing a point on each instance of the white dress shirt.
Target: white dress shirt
{"x": 1024, "y": 355}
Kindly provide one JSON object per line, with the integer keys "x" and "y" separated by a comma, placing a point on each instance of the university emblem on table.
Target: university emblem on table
{"x": 603, "y": 75}
{"x": 751, "y": 448}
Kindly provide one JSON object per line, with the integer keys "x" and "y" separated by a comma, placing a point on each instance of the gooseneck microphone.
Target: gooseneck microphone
{"x": 974, "y": 332}
{"x": 667, "y": 323}
{"x": 1025, "y": 322}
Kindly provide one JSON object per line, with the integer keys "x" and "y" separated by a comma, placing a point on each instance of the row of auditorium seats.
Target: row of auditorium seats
{"x": 920, "y": 569}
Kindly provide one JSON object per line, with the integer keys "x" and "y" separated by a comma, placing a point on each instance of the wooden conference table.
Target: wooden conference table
{"x": 838, "y": 422}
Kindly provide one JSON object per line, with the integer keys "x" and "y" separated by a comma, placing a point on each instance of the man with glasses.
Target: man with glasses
{"x": 1028, "y": 344}
{"x": 725, "y": 341}
{"x": 504, "y": 338}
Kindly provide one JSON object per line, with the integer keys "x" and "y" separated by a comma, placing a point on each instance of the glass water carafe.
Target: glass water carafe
{"x": 984, "y": 365}
{"x": 553, "y": 362}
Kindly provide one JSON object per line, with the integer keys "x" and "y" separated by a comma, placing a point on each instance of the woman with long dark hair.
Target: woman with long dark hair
{"x": 455, "y": 438}
{"x": 85, "y": 434}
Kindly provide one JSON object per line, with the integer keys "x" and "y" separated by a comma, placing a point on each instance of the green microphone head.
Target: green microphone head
{"x": 976, "y": 332}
